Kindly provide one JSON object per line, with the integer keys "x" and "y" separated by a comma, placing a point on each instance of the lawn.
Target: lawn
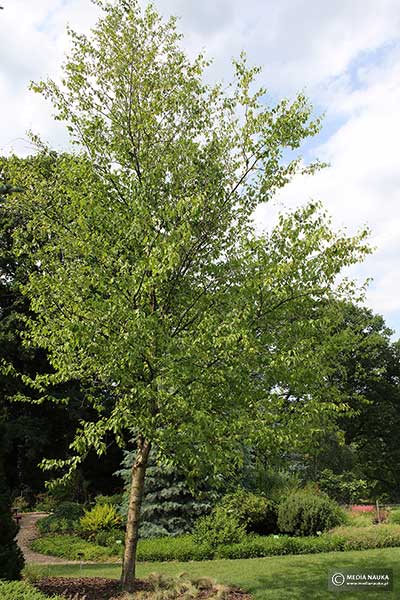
{"x": 273, "y": 578}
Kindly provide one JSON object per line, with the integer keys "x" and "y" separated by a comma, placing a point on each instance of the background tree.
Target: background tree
{"x": 29, "y": 425}
{"x": 151, "y": 282}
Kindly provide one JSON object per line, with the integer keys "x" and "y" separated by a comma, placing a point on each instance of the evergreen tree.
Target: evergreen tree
{"x": 169, "y": 507}
{"x": 11, "y": 557}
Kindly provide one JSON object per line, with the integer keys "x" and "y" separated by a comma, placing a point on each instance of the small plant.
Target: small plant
{"x": 102, "y": 517}
{"x": 306, "y": 513}
{"x": 219, "y": 527}
{"x": 21, "y": 504}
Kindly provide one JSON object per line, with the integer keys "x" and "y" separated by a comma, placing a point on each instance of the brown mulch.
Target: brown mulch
{"x": 99, "y": 588}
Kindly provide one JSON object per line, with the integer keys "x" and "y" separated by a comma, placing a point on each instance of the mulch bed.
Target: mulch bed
{"x": 83, "y": 588}
{"x": 100, "y": 588}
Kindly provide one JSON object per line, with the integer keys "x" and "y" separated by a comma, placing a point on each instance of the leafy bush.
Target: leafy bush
{"x": 19, "y": 590}
{"x": 65, "y": 519}
{"x": 69, "y": 510}
{"x": 112, "y": 539}
{"x": 254, "y": 546}
{"x": 100, "y": 517}
{"x": 305, "y": 513}
{"x": 220, "y": 527}
{"x": 254, "y": 511}
{"x": 345, "y": 487}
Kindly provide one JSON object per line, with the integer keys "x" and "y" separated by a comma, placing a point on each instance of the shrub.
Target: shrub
{"x": 71, "y": 511}
{"x": 219, "y": 527}
{"x": 21, "y": 503}
{"x": 19, "y": 590}
{"x": 254, "y": 511}
{"x": 112, "y": 539}
{"x": 345, "y": 487}
{"x": 65, "y": 519}
{"x": 11, "y": 557}
{"x": 305, "y": 513}
{"x": 101, "y": 517}
{"x": 45, "y": 503}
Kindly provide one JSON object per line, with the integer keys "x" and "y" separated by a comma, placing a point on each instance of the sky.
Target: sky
{"x": 345, "y": 55}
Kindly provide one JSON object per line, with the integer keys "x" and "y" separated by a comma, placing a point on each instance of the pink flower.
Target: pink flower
{"x": 360, "y": 508}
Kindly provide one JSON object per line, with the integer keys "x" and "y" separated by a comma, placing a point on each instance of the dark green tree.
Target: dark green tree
{"x": 11, "y": 557}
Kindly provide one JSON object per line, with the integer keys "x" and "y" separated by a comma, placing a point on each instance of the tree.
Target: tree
{"x": 30, "y": 426}
{"x": 371, "y": 381}
{"x": 11, "y": 557}
{"x": 151, "y": 282}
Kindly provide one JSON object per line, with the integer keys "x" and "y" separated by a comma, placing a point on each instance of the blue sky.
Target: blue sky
{"x": 344, "y": 54}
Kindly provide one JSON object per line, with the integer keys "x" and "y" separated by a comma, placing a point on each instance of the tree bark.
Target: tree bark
{"x": 132, "y": 525}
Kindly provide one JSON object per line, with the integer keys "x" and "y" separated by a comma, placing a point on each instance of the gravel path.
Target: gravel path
{"x": 27, "y": 533}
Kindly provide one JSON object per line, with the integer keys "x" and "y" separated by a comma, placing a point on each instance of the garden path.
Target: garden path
{"x": 29, "y": 532}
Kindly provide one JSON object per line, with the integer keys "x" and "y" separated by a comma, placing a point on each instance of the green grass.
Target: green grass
{"x": 272, "y": 578}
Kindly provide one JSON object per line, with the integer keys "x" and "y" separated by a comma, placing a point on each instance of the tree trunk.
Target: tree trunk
{"x": 132, "y": 525}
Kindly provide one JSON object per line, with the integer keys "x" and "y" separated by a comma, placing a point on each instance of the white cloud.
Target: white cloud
{"x": 362, "y": 186}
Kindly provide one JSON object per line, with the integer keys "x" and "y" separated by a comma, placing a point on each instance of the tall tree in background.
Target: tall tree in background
{"x": 30, "y": 426}
{"x": 151, "y": 282}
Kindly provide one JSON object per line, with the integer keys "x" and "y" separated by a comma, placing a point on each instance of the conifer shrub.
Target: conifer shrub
{"x": 11, "y": 557}
{"x": 169, "y": 507}
{"x": 308, "y": 513}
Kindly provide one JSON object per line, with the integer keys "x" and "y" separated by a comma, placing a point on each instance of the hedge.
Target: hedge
{"x": 184, "y": 549}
